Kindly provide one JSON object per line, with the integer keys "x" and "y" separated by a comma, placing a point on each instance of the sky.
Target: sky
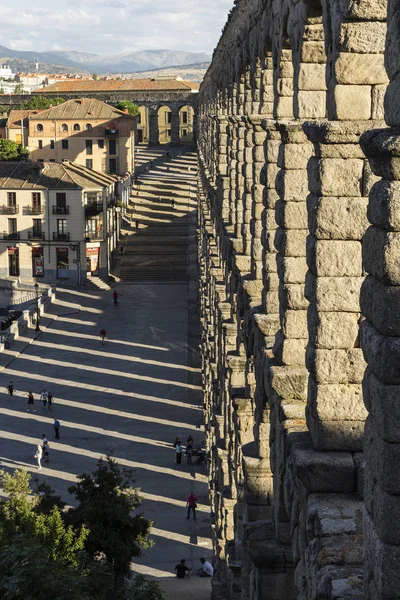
{"x": 109, "y": 27}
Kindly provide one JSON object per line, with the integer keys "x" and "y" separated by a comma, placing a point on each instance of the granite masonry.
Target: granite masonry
{"x": 299, "y": 251}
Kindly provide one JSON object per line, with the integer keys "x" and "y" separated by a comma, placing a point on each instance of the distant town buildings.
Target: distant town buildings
{"x": 6, "y": 72}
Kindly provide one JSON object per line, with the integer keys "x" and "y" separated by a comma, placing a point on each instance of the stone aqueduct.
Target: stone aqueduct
{"x": 299, "y": 229}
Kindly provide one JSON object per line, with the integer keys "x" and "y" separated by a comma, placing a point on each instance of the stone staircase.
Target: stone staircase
{"x": 96, "y": 283}
{"x": 155, "y": 247}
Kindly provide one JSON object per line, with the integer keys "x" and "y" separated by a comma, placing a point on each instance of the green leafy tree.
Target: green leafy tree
{"x": 19, "y": 89}
{"x": 4, "y": 108}
{"x": 10, "y": 150}
{"x": 41, "y": 103}
{"x": 95, "y": 76}
{"x": 106, "y": 503}
{"x": 140, "y": 588}
{"x": 133, "y": 109}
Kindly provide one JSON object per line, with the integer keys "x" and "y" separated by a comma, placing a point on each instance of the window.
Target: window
{"x": 89, "y": 147}
{"x": 77, "y": 127}
{"x": 65, "y": 160}
{"x": 36, "y": 202}
{"x": 113, "y": 165}
{"x": 12, "y": 226}
{"x": 13, "y": 262}
{"x": 37, "y": 228}
{"x": 64, "y": 127}
{"x": 39, "y": 127}
{"x": 184, "y": 117}
{"x": 51, "y": 144}
{"x": 139, "y": 119}
{"x": 89, "y": 127}
{"x": 112, "y": 147}
{"x": 61, "y": 227}
{"x": 62, "y": 263}
{"x": 169, "y": 117}
{"x": 184, "y": 132}
{"x": 89, "y": 163}
{"x": 12, "y": 200}
{"x": 64, "y": 144}
{"x": 168, "y": 132}
{"x": 100, "y": 143}
{"x": 40, "y": 144}
{"x": 61, "y": 203}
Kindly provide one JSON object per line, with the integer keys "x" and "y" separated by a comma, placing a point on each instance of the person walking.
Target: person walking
{"x": 38, "y": 456}
{"x": 56, "y": 426}
{"x": 115, "y": 297}
{"x": 46, "y": 451}
{"x": 31, "y": 403}
{"x": 50, "y": 399}
{"x": 44, "y": 398}
{"x": 178, "y": 450}
{"x": 191, "y": 505}
{"x": 102, "y": 335}
{"x": 10, "y": 391}
{"x": 189, "y": 452}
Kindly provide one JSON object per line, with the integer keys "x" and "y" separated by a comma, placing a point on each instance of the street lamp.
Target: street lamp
{"x": 37, "y": 328}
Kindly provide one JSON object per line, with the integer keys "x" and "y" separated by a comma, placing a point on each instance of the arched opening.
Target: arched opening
{"x": 64, "y": 127}
{"x": 186, "y": 124}
{"x": 89, "y": 127}
{"x": 164, "y": 124}
{"x": 142, "y": 121}
{"x": 39, "y": 127}
{"x": 77, "y": 127}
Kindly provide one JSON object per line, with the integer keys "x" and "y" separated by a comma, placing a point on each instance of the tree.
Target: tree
{"x": 4, "y": 108}
{"x": 10, "y": 150}
{"x": 41, "y": 103}
{"x": 95, "y": 76}
{"x": 140, "y": 588}
{"x": 106, "y": 502}
{"x": 133, "y": 109}
{"x": 19, "y": 89}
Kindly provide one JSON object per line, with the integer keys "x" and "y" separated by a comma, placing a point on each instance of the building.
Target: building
{"x": 167, "y": 104}
{"x": 6, "y": 72}
{"x": 16, "y": 126}
{"x": 58, "y": 221}
{"x": 85, "y": 131}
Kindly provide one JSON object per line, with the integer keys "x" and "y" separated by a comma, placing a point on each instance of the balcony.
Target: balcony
{"x": 9, "y": 210}
{"x": 111, "y": 132}
{"x": 93, "y": 209}
{"x": 33, "y": 210}
{"x": 60, "y": 210}
{"x": 15, "y": 235}
{"x": 94, "y": 236}
{"x": 60, "y": 237}
{"x": 36, "y": 235}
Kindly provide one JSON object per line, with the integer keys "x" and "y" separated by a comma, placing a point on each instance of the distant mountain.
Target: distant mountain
{"x": 126, "y": 62}
{"x": 190, "y": 73}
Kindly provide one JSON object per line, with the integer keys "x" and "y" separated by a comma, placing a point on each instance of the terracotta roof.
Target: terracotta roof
{"x": 84, "y": 108}
{"x": 15, "y": 116}
{"x": 41, "y": 176}
{"x": 127, "y": 85}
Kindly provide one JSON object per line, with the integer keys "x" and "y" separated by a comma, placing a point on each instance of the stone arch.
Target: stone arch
{"x": 143, "y": 125}
{"x": 164, "y": 124}
{"x": 186, "y": 123}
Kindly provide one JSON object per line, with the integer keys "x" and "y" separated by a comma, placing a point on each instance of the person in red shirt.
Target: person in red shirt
{"x": 103, "y": 335}
{"x": 191, "y": 505}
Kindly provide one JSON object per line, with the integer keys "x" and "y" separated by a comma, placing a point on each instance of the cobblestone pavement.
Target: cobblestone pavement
{"x": 130, "y": 398}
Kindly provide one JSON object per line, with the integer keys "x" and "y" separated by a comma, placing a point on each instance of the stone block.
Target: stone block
{"x": 336, "y": 402}
{"x": 382, "y": 459}
{"x": 291, "y": 242}
{"x": 292, "y": 296}
{"x": 335, "y": 177}
{"x": 384, "y": 204}
{"x": 365, "y": 10}
{"x": 294, "y": 156}
{"x": 391, "y": 104}
{"x": 328, "y": 258}
{"x": 392, "y": 55}
{"x": 335, "y": 365}
{"x": 333, "y": 329}
{"x": 291, "y": 269}
{"x": 369, "y": 179}
{"x": 334, "y": 294}
{"x": 310, "y": 104}
{"x": 312, "y": 77}
{"x": 383, "y": 403}
{"x": 350, "y": 102}
{"x": 381, "y": 254}
{"x": 380, "y": 304}
{"x": 335, "y": 435}
{"x": 362, "y": 37}
{"x": 291, "y": 215}
{"x": 381, "y": 353}
{"x": 272, "y": 150}
{"x": 312, "y": 52}
{"x": 289, "y": 382}
{"x": 289, "y": 351}
{"x": 378, "y": 101}
{"x": 337, "y": 218}
{"x": 286, "y": 69}
{"x": 291, "y": 185}
{"x": 324, "y": 472}
{"x": 382, "y": 565}
{"x": 294, "y": 324}
{"x": 284, "y": 87}
{"x": 284, "y": 107}
{"x": 360, "y": 69}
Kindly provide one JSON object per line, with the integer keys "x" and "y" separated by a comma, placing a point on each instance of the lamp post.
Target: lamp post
{"x": 37, "y": 328}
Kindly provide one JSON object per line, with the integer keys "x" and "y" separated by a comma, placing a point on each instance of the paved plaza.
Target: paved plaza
{"x": 129, "y": 398}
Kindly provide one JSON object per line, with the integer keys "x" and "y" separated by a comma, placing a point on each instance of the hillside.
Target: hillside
{"x": 191, "y": 73}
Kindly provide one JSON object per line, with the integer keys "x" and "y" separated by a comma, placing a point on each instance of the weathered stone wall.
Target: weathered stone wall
{"x": 284, "y": 245}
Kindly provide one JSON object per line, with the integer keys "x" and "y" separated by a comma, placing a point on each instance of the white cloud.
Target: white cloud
{"x": 113, "y": 26}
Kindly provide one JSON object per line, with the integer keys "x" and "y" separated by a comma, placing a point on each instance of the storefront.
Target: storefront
{"x": 92, "y": 260}
{"x": 13, "y": 261}
{"x": 62, "y": 263}
{"x": 37, "y": 262}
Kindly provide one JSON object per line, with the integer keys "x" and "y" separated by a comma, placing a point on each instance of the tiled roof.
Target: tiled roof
{"x": 15, "y": 116}
{"x": 123, "y": 85}
{"x": 41, "y": 176}
{"x": 84, "y": 108}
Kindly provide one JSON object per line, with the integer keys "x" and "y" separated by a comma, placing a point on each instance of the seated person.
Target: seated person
{"x": 182, "y": 570}
{"x": 207, "y": 570}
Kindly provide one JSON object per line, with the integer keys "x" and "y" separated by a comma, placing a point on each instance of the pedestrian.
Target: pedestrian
{"x": 38, "y": 456}
{"x": 207, "y": 570}
{"x": 137, "y": 223}
{"x": 173, "y": 203}
{"x": 46, "y": 451}
{"x": 178, "y": 450}
{"x": 176, "y": 442}
{"x": 182, "y": 570}
{"x": 31, "y": 403}
{"x": 115, "y": 297}
{"x": 191, "y": 505}
{"x": 56, "y": 426}
{"x": 10, "y": 390}
{"x": 151, "y": 164}
{"x": 102, "y": 335}
{"x": 189, "y": 453}
{"x": 44, "y": 439}
{"x": 50, "y": 399}
{"x": 44, "y": 398}
{"x": 159, "y": 199}
{"x": 189, "y": 439}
